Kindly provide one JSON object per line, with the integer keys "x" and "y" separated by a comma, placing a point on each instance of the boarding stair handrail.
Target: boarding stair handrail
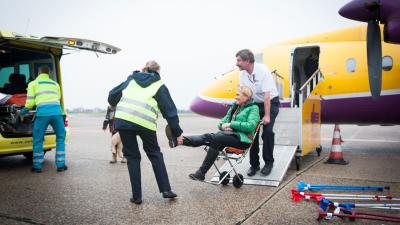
{"x": 310, "y": 84}
{"x": 279, "y": 81}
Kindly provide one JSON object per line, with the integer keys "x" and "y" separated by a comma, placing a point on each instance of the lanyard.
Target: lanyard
{"x": 254, "y": 78}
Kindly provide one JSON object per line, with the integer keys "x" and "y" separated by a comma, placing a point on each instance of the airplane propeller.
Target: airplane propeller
{"x": 374, "y": 52}
{"x": 374, "y": 56}
{"x": 369, "y": 11}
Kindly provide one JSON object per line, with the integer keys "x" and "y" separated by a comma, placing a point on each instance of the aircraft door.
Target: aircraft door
{"x": 304, "y": 63}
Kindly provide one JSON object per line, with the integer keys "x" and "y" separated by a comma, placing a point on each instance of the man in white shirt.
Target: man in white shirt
{"x": 265, "y": 94}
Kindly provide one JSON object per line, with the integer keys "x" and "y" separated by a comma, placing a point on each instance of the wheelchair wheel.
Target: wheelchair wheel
{"x": 226, "y": 180}
{"x": 238, "y": 180}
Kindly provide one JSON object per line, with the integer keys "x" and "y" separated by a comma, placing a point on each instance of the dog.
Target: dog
{"x": 116, "y": 149}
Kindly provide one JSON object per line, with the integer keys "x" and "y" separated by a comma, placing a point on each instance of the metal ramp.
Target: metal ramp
{"x": 283, "y": 156}
{"x": 286, "y": 130}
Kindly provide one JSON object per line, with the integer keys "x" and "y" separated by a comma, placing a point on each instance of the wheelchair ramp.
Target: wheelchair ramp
{"x": 283, "y": 155}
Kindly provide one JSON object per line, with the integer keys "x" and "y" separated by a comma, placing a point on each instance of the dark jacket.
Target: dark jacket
{"x": 244, "y": 121}
{"x": 165, "y": 103}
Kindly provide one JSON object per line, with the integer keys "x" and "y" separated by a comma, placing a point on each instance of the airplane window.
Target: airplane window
{"x": 351, "y": 65}
{"x": 387, "y": 63}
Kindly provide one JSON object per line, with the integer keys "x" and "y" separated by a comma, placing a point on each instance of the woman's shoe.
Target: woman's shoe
{"x": 172, "y": 141}
{"x": 198, "y": 175}
{"x": 137, "y": 201}
{"x": 169, "y": 194}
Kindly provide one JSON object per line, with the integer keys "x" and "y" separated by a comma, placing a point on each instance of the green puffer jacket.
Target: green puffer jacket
{"x": 245, "y": 122}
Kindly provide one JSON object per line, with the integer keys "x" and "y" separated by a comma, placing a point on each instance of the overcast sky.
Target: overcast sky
{"x": 192, "y": 40}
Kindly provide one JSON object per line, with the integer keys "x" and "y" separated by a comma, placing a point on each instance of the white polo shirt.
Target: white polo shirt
{"x": 259, "y": 81}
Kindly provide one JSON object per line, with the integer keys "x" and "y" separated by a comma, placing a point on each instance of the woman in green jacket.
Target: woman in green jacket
{"x": 236, "y": 130}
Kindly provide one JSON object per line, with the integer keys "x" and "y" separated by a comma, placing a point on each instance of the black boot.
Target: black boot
{"x": 211, "y": 156}
{"x": 198, "y": 140}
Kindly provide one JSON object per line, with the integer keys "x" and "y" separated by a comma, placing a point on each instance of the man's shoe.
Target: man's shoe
{"x": 266, "y": 170}
{"x": 61, "y": 169}
{"x": 36, "y": 170}
{"x": 198, "y": 175}
{"x": 169, "y": 194}
{"x": 137, "y": 201}
{"x": 252, "y": 171}
{"x": 172, "y": 141}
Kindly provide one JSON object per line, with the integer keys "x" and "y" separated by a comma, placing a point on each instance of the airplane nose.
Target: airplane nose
{"x": 213, "y": 101}
{"x": 208, "y": 108}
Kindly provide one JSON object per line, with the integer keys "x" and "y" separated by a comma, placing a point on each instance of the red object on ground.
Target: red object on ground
{"x": 18, "y": 99}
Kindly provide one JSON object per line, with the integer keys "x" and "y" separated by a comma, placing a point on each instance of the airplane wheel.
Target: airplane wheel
{"x": 237, "y": 180}
{"x": 226, "y": 180}
{"x": 298, "y": 162}
{"x": 319, "y": 150}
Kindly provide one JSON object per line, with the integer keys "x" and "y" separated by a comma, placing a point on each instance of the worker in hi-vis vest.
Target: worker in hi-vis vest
{"x": 45, "y": 95}
{"x": 138, "y": 101}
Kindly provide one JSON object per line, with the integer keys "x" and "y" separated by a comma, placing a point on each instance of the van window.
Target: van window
{"x": 24, "y": 70}
{"x": 5, "y": 73}
{"x": 351, "y": 65}
{"x": 387, "y": 63}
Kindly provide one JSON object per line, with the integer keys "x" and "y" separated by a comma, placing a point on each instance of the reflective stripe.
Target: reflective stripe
{"x": 46, "y": 92}
{"x": 47, "y": 82}
{"x": 49, "y": 103}
{"x": 37, "y": 154}
{"x": 136, "y": 113}
{"x": 138, "y": 103}
{"x": 60, "y": 153}
{"x": 60, "y": 159}
{"x": 38, "y": 160}
{"x": 30, "y": 97}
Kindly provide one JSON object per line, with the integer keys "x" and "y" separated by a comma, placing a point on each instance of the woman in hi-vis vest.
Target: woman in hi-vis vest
{"x": 138, "y": 101}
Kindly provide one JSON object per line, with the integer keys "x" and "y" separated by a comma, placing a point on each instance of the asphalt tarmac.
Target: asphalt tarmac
{"x": 93, "y": 191}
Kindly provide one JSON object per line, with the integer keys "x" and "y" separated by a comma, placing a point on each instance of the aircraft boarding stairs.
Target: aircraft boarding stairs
{"x": 297, "y": 132}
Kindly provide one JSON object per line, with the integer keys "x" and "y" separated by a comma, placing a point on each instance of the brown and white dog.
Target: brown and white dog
{"x": 116, "y": 148}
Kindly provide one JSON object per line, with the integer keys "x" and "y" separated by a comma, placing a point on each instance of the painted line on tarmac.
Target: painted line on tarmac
{"x": 280, "y": 188}
{"x": 20, "y": 219}
{"x": 364, "y": 140}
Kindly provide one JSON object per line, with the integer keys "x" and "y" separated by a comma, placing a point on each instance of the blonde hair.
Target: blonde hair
{"x": 151, "y": 66}
{"x": 246, "y": 91}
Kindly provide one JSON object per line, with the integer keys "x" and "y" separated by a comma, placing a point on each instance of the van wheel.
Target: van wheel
{"x": 29, "y": 155}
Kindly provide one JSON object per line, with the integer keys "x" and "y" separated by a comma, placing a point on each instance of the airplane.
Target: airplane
{"x": 373, "y": 12}
{"x": 337, "y": 92}
{"x": 345, "y": 91}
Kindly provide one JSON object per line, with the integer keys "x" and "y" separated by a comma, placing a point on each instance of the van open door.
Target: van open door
{"x": 62, "y": 42}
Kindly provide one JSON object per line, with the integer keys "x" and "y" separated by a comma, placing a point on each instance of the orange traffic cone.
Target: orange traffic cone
{"x": 336, "y": 154}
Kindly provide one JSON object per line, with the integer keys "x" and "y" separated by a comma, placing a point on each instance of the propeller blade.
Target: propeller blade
{"x": 374, "y": 56}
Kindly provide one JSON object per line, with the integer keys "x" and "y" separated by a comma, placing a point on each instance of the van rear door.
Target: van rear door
{"x": 62, "y": 42}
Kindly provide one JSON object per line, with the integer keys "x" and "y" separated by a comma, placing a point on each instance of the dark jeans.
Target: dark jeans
{"x": 132, "y": 154}
{"x": 217, "y": 142}
{"x": 268, "y": 136}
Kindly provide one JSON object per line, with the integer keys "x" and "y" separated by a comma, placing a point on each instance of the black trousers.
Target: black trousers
{"x": 217, "y": 142}
{"x": 268, "y": 136}
{"x": 132, "y": 154}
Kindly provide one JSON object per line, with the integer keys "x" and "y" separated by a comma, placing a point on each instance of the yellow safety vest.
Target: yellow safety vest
{"x": 43, "y": 91}
{"x": 138, "y": 106}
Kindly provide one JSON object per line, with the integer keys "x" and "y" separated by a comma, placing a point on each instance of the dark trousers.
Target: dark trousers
{"x": 217, "y": 142}
{"x": 268, "y": 136}
{"x": 132, "y": 154}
